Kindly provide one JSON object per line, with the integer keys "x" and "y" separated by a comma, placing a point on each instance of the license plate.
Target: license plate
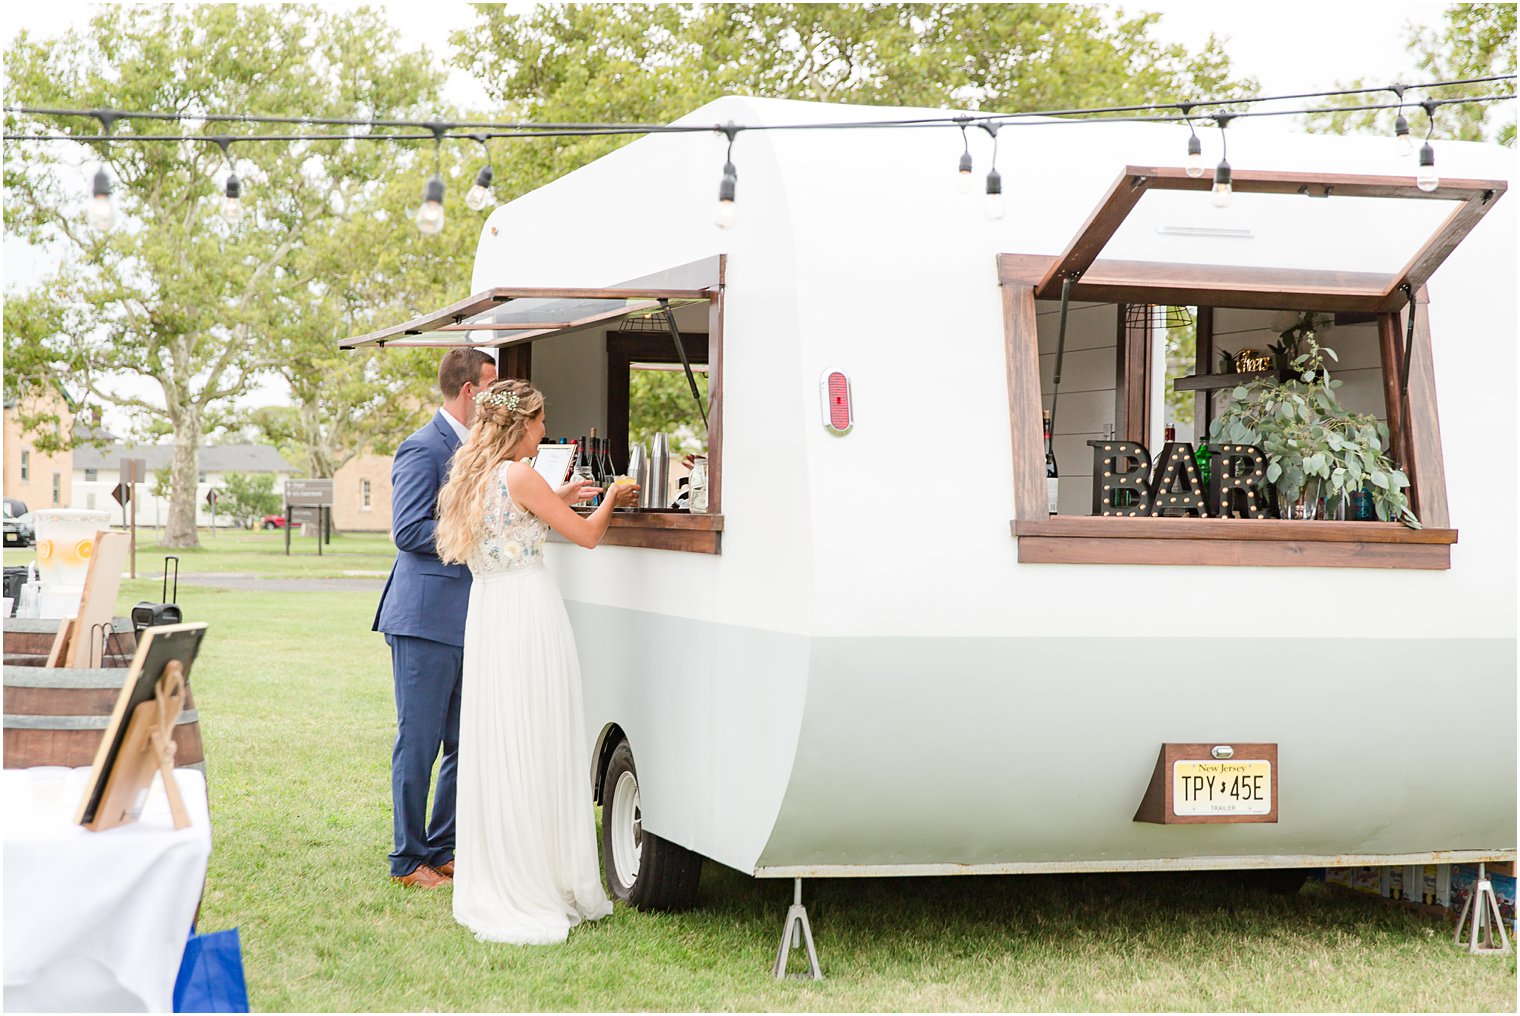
{"x": 1233, "y": 787}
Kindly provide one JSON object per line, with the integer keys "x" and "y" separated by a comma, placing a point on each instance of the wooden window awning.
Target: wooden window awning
{"x": 506, "y": 316}
{"x": 1273, "y": 271}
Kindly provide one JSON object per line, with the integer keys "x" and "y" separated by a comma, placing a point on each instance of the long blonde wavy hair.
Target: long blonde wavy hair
{"x": 500, "y": 423}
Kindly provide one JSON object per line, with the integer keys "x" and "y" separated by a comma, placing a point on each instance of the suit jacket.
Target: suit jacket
{"x": 423, "y": 597}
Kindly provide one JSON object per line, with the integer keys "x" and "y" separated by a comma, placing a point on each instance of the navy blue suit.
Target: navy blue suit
{"x": 422, "y": 614}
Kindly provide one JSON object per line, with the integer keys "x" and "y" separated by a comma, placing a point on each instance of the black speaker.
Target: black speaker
{"x": 151, "y": 615}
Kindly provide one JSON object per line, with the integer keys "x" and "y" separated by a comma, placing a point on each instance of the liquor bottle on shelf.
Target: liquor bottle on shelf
{"x": 1052, "y": 474}
{"x": 1171, "y": 432}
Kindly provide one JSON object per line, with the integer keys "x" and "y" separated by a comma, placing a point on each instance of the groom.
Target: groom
{"x": 422, "y": 615}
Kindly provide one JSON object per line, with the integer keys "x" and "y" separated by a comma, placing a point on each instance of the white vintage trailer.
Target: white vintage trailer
{"x": 880, "y": 655}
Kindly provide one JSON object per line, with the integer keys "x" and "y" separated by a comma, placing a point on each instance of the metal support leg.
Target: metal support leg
{"x": 797, "y": 932}
{"x": 1483, "y": 905}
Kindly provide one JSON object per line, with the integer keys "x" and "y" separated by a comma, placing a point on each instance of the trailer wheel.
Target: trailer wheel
{"x": 1280, "y": 881}
{"x": 642, "y": 869}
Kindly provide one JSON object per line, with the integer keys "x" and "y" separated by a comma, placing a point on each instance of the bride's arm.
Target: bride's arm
{"x": 532, "y": 492}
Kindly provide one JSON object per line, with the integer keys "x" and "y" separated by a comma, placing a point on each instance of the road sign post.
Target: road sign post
{"x": 212, "y": 497}
{"x": 133, "y": 472}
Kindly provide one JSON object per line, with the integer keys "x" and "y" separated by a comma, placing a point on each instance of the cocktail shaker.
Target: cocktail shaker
{"x": 659, "y": 474}
{"x": 638, "y": 468}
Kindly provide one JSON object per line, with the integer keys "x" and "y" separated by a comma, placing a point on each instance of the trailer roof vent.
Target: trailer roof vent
{"x": 838, "y": 414}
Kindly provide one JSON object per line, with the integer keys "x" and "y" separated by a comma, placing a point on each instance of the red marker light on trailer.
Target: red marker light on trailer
{"x": 838, "y": 414}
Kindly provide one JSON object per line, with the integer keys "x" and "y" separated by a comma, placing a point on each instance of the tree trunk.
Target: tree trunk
{"x": 184, "y": 497}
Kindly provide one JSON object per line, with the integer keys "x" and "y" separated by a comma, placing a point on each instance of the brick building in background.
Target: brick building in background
{"x": 41, "y": 479}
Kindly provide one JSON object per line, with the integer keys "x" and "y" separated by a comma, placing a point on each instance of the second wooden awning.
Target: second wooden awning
{"x": 1340, "y": 242}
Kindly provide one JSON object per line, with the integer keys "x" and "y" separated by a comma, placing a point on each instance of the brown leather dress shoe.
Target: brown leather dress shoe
{"x": 446, "y": 869}
{"x": 424, "y": 877}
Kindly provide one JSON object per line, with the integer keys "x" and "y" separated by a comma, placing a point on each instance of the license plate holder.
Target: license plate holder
{"x": 1207, "y": 782}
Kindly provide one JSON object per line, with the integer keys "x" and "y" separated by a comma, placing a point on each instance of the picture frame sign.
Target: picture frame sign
{"x": 553, "y": 462}
{"x": 160, "y": 646}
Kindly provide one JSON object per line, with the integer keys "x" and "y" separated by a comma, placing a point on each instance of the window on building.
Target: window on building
{"x": 201, "y": 476}
{"x": 58, "y": 488}
{"x": 26, "y": 465}
{"x": 91, "y": 475}
{"x": 364, "y": 500}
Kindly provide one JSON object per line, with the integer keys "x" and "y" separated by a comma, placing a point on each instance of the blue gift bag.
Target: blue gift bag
{"x": 211, "y": 975}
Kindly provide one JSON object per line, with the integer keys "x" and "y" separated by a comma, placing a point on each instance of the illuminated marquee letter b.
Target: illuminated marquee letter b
{"x": 1121, "y": 474}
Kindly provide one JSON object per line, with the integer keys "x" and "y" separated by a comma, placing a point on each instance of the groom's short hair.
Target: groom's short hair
{"x": 460, "y": 366}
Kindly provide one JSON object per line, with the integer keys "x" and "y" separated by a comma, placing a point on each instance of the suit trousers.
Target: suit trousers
{"x": 428, "y": 678}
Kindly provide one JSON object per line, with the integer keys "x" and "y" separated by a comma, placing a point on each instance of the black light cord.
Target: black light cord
{"x": 529, "y": 129}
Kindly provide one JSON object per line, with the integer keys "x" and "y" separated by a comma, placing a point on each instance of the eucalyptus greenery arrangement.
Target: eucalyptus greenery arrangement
{"x": 1314, "y": 446}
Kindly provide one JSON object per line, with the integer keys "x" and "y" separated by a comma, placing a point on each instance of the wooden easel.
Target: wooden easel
{"x": 73, "y": 647}
{"x": 148, "y": 748}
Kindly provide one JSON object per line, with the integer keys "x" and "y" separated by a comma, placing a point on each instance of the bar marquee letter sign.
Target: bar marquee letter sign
{"x": 1124, "y": 486}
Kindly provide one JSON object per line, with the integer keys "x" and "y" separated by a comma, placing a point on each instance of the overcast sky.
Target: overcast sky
{"x": 1288, "y": 47}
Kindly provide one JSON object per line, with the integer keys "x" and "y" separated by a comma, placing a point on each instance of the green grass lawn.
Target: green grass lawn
{"x": 258, "y": 551}
{"x": 297, "y": 714}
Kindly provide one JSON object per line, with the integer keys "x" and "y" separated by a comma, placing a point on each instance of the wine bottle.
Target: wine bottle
{"x": 609, "y": 471}
{"x": 1052, "y": 474}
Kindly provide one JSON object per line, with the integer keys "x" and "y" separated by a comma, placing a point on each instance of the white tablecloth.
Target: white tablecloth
{"x": 97, "y": 921}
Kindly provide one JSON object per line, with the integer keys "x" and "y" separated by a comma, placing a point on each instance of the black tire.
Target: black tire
{"x": 1279, "y": 881}
{"x": 664, "y": 876}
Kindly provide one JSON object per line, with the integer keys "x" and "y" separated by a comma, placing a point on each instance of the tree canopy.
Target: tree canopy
{"x": 175, "y": 294}
{"x": 1477, "y": 41}
{"x": 652, "y": 63}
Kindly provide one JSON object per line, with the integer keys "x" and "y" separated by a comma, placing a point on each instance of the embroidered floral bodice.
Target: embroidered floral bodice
{"x": 511, "y": 537}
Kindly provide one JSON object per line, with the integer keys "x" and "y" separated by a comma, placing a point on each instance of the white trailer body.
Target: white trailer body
{"x": 866, "y": 679}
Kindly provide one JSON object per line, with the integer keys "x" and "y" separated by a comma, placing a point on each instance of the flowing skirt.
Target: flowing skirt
{"x": 526, "y": 868}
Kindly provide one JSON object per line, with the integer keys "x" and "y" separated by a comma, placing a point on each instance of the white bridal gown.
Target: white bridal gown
{"x": 526, "y": 870}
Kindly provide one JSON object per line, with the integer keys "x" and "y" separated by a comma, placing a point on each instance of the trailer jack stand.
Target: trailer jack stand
{"x": 797, "y": 932}
{"x": 1483, "y": 905}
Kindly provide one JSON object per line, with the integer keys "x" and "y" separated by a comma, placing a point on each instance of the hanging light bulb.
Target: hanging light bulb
{"x": 1426, "y": 179}
{"x": 963, "y": 180}
{"x": 725, "y": 214}
{"x": 475, "y": 200}
{"x": 429, "y": 216}
{"x": 232, "y": 207}
{"x": 102, "y": 214}
{"x": 1222, "y": 193}
{"x": 1403, "y": 144}
{"x": 992, "y": 207}
{"x": 1194, "y": 162}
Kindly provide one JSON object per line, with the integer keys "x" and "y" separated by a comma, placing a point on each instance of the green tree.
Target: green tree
{"x": 660, "y": 402}
{"x": 1477, "y": 41}
{"x": 347, "y": 402}
{"x": 174, "y": 294}
{"x": 624, "y": 62}
{"x": 247, "y": 497}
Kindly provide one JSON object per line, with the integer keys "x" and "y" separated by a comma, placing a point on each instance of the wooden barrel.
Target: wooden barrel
{"x": 29, "y": 640}
{"x": 56, "y": 716}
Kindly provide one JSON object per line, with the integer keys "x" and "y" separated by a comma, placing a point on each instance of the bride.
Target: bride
{"x": 526, "y": 870}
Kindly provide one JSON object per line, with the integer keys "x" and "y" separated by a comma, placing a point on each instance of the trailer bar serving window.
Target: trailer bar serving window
{"x": 566, "y": 325}
{"x": 1154, "y": 240}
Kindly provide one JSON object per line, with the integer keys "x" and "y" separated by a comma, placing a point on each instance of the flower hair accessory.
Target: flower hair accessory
{"x": 503, "y": 400}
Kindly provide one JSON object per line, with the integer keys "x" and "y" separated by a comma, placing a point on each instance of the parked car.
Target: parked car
{"x": 18, "y": 524}
{"x": 274, "y": 522}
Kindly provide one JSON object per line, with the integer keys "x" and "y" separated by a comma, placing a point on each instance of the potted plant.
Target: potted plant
{"x": 1315, "y": 447}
